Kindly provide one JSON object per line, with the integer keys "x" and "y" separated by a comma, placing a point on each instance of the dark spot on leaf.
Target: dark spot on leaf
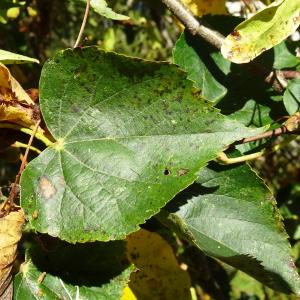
{"x": 46, "y": 187}
{"x": 75, "y": 109}
{"x": 236, "y": 35}
{"x": 167, "y": 172}
{"x": 134, "y": 256}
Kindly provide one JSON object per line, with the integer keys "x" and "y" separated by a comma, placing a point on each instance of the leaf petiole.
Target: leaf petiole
{"x": 22, "y": 145}
{"x": 39, "y": 134}
{"x": 225, "y": 160}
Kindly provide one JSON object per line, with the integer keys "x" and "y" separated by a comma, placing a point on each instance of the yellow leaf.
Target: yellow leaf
{"x": 13, "y": 12}
{"x": 159, "y": 275}
{"x": 10, "y": 234}
{"x": 128, "y": 294}
{"x": 15, "y": 104}
{"x": 262, "y": 31}
{"x": 32, "y": 12}
{"x": 205, "y": 7}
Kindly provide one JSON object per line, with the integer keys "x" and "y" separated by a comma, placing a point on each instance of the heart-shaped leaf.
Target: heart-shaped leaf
{"x": 230, "y": 215}
{"x": 262, "y": 31}
{"x": 130, "y": 135}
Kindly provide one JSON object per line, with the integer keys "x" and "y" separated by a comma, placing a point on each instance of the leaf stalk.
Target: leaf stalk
{"x": 225, "y": 160}
{"x": 39, "y": 134}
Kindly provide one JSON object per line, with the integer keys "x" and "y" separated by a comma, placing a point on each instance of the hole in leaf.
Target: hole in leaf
{"x": 167, "y": 172}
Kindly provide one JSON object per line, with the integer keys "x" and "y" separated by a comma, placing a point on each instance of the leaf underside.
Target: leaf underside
{"x": 130, "y": 135}
{"x": 230, "y": 215}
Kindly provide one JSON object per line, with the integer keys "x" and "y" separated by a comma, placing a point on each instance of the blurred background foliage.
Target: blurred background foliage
{"x": 39, "y": 28}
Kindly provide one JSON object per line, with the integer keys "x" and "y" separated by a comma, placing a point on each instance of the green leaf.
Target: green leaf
{"x": 230, "y": 215}
{"x": 130, "y": 135}
{"x": 7, "y": 57}
{"x": 248, "y": 103}
{"x": 92, "y": 270}
{"x": 262, "y": 31}
{"x": 283, "y": 58}
{"x": 291, "y": 96}
{"x": 185, "y": 55}
{"x": 252, "y": 113}
{"x": 101, "y": 7}
{"x": 243, "y": 285}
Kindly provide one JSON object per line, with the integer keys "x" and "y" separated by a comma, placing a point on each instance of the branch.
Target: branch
{"x": 271, "y": 133}
{"x": 291, "y": 125}
{"x": 290, "y": 74}
{"x": 9, "y": 202}
{"x": 86, "y": 14}
{"x": 192, "y": 24}
{"x": 225, "y": 160}
{"x": 274, "y": 78}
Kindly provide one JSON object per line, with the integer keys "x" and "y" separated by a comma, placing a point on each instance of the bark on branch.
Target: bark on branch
{"x": 276, "y": 79}
{"x": 192, "y": 24}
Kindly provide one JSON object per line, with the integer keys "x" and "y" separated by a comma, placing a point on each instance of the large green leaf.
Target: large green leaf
{"x": 230, "y": 215}
{"x": 130, "y": 135}
{"x": 73, "y": 272}
{"x": 262, "y": 31}
{"x": 185, "y": 55}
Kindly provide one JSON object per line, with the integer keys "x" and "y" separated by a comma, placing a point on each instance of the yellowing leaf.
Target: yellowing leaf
{"x": 262, "y": 31}
{"x": 10, "y": 234}
{"x": 7, "y": 58}
{"x": 159, "y": 275}
{"x": 205, "y": 7}
{"x": 15, "y": 104}
{"x": 101, "y": 7}
{"x": 128, "y": 294}
{"x": 13, "y": 12}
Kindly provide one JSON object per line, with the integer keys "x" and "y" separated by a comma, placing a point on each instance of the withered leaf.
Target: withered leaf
{"x": 15, "y": 104}
{"x": 10, "y": 234}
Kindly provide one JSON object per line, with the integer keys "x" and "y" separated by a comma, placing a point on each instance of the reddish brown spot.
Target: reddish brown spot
{"x": 236, "y": 35}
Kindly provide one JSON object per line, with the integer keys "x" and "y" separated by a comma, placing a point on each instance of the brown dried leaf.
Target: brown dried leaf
{"x": 10, "y": 234}
{"x": 15, "y": 104}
